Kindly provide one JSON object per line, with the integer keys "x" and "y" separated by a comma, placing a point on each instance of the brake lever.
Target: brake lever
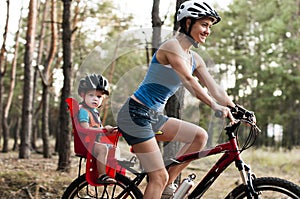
{"x": 257, "y": 128}
{"x": 252, "y": 124}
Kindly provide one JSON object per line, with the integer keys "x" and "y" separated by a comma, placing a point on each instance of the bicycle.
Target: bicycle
{"x": 251, "y": 188}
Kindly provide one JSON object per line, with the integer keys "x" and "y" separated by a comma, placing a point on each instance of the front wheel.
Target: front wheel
{"x": 124, "y": 188}
{"x": 268, "y": 187}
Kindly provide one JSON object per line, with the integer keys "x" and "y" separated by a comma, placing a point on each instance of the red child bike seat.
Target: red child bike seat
{"x": 84, "y": 140}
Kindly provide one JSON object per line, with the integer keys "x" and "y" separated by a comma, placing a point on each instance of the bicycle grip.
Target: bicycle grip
{"x": 219, "y": 114}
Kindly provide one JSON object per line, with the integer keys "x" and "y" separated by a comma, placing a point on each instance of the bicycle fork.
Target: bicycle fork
{"x": 247, "y": 178}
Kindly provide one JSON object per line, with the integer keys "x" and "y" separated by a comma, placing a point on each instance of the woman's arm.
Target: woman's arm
{"x": 207, "y": 80}
{"x": 171, "y": 53}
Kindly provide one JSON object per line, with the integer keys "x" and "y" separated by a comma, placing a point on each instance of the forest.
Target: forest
{"x": 253, "y": 53}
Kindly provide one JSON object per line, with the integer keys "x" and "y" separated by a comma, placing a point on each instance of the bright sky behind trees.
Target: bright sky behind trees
{"x": 140, "y": 9}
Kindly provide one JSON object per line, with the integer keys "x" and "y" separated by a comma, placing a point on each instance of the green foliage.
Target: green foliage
{"x": 261, "y": 43}
{"x": 97, "y": 26}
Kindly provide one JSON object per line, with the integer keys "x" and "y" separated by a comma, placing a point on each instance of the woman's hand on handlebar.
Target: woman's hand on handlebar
{"x": 241, "y": 113}
{"x": 224, "y": 112}
{"x": 236, "y": 113}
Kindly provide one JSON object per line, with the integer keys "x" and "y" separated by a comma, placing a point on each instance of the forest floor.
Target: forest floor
{"x": 37, "y": 177}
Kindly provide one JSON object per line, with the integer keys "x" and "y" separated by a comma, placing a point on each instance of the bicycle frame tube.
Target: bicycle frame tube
{"x": 230, "y": 155}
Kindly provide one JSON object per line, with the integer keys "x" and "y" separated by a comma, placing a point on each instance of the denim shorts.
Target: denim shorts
{"x": 138, "y": 123}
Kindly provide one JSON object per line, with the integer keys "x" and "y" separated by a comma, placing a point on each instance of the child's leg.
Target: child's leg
{"x": 101, "y": 151}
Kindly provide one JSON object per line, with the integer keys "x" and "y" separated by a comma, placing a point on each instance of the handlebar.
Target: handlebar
{"x": 241, "y": 114}
{"x": 219, "y": 114}
{"x": 238, "y": 112}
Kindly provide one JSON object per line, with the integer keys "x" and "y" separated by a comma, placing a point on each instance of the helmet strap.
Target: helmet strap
{"x": 193, "y": 42}
{"x": 183, "y": 29}
{"x": 190, "y": 38}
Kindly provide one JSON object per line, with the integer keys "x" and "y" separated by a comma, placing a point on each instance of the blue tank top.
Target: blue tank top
{"x": 159, "y": 84}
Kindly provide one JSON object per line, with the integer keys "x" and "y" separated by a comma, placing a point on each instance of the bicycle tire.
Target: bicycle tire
{"x": 124, "y": 188}
{"x": 268, "y": 187}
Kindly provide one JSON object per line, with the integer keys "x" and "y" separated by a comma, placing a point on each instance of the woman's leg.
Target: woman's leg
{"x": 193, "y": 136}
{"x": 151, "y": 159}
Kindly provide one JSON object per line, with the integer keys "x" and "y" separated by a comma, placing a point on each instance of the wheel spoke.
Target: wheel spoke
{"x": 269, "y": 188}
{"x": 124, "y": 188}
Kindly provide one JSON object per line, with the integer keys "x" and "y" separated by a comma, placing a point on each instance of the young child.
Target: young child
{"x": 93, "y": 89}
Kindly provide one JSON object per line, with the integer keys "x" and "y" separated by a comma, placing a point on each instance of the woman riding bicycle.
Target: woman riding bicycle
{"x": 174, "y": 64}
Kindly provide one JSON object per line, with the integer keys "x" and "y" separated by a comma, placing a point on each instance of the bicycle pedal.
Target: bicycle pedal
{"x": 133, "y": 159}
{"x": 128, "y": 163}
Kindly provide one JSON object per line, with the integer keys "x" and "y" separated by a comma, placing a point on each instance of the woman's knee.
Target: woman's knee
{"x": 201, "y": 136}
{"x": 159, "y": 177}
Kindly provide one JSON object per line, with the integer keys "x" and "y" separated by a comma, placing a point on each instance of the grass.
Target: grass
{"x": 31, "y": 178}
{"x": 284, "y": 164}
{"x": 37, "y": 177}
{"x": 264, "y": 162}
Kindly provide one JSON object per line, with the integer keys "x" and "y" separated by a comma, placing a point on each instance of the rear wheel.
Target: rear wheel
{"x": 124, "y": 188}
{"x": 268, "y": 187}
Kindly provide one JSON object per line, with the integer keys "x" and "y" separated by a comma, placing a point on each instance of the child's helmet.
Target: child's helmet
{"x": 197, "y": 9}
{"x": 93, "y": 82}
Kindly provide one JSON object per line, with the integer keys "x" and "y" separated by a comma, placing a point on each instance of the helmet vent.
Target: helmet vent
{"x": 193, "y": 10}
{"x": 207, "y": 6}
{"x": 93, "y": 82}
{"x": 197, "y": 4}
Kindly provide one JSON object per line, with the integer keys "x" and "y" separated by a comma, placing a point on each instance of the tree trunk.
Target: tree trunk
{"x": 16, "y": 130}
{"x": 6, "y": 127}
{"x": 156, "y": 25}
{"x": 40, "y": 53}
{"x": 174, "y": 108}
{"x": 42, "y": 8}
{"x": 46, "y": 82}
{"x": 176, "y": 24}
{"x": 28, "y": 82}
{"x": 110, "y": 78}
{"x": 3, "y": 126}
{"x": 64, "y": 137}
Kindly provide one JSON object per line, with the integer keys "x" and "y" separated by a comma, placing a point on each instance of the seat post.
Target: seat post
{"x": 79, "y": 167}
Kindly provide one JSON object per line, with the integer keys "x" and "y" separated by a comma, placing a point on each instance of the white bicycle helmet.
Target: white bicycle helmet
{"x": 194, "y": 9}
{"x": 93, "y": 82}
{"x": 197, "y": 9}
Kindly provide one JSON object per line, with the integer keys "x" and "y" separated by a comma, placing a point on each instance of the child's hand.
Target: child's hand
{"x": 110, "y": 129}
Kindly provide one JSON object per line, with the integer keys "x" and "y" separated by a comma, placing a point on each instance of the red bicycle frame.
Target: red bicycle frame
{"x": 231, "y": 154}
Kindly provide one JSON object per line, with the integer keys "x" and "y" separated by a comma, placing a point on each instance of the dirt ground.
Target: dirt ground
{"x": 37, "y": 177}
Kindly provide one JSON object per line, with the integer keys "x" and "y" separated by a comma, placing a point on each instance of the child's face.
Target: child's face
{"x": 94, "y": 98}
